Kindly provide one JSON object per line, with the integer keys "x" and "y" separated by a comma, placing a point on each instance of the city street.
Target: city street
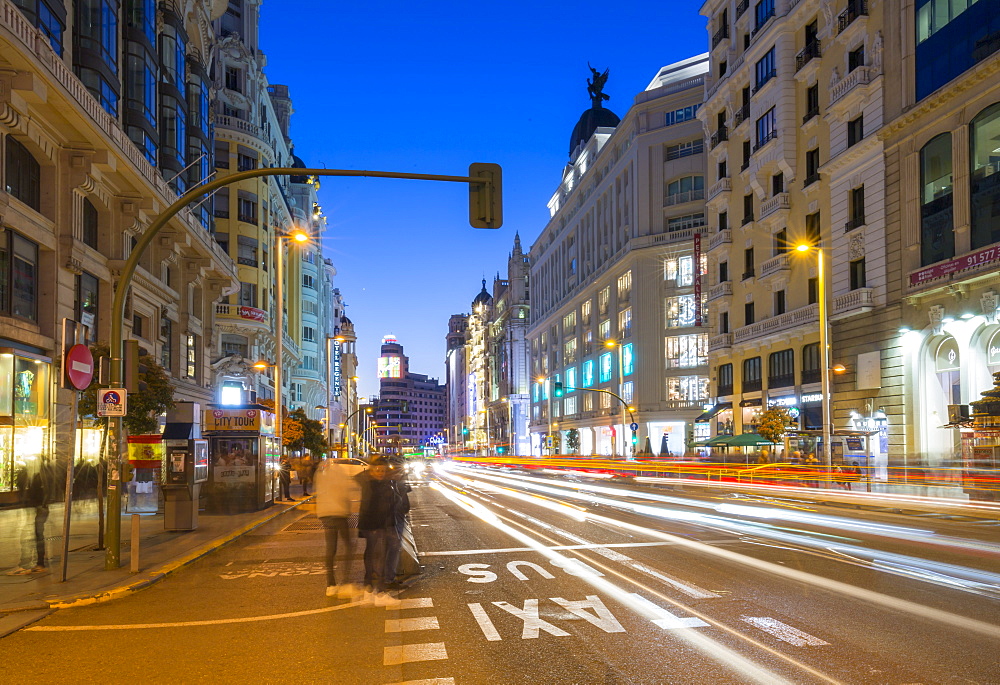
{"x": 535, "y": 580}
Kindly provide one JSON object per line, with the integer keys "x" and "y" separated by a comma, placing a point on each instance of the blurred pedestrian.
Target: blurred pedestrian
{"x": 304, "y": 468}
{"x": 382, "y": 503}
{"x": 284, "y": 480}
{"x": 338, "y": 497}
{"x": 35, "y": 498}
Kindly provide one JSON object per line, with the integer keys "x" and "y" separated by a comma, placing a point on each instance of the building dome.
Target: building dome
{"x": 483, "y": 298}
{"x": 591, "y": 120}
{"x": 297, "y": 163}
{"x": 345, "y": 320}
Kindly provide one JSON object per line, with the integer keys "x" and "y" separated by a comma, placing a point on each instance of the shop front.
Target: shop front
{"x": 25, "y": 440}
{"x": 244, "y": 453}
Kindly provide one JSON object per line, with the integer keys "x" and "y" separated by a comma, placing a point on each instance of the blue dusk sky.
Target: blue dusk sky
{"x": 429, "y": 87}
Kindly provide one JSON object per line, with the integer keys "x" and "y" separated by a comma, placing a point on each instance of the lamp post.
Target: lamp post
{"x": 299, "y": 237}
{"x": 621, "y": 383}
{"x": 544, "y": 380}
{"x": 824, "y": 348}
{"x": 347, "y": 422}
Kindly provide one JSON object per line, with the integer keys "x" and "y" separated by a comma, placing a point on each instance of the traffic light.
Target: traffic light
{"x": 485, "y": 203}
{"x": 635, "y": 438}
{"x": 557, "y": 388}
{"x": 465, "y": 430}
{"x": 500, "y": 450}
{"x": 133, "y": 371}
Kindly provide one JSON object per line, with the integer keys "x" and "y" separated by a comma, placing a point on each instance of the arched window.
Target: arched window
{"x": 811, "y": 372}
{"x": 947, "y": 363}
{"x": 937, "y": 226}
{"x": 781, "y": 369}
{"x": 985, "y": 183}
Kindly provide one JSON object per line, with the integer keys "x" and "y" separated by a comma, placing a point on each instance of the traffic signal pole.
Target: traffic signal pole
{"x": 485, "y": 211}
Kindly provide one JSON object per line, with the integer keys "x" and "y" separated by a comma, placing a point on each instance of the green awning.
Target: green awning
{"x": 749, "y": 440}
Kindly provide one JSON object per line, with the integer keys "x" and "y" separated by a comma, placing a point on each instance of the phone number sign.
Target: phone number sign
{"x": 990, "y": 255}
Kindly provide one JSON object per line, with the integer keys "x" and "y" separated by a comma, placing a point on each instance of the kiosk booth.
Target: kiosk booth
{"x": 981, "y": 447}
{"x": 243, "y": 454}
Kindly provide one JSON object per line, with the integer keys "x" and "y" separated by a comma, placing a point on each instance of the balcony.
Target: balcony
{"x": 855, "y": 9}
{"x": 859, "y": 77}
{"x": 748, "y": 274}
{"x": 224, "y": 121}
{"x": 812, "y": 113}
{"x": 809, "y": 52}
{"x": 855, "y": 222}
{"x": 720, "y": 35}
{"x": 724, "y": 289}
{"x": 719, "y": 136}
{"x": 719, "y": 239}
{"x": 767, "y": 78}
{"x": 774, "y": 204}
{"x": 810, "y": 179}
{"x": 247, "y": 314}
{"x": 775, "y": 324}
{"x": 681, "y": 198}
{"x": 854, "y": 302}
{"x": 720, "y": 342}
{"x": 747, "y": 219}
{"x": 742, "y": 7}
{"x": 723, "y": 185}
{"x": 771, "y": 135}
{"x": 762, "y": 22}
{"x": 774, "y": 265}
{"x": 742, "y": 114}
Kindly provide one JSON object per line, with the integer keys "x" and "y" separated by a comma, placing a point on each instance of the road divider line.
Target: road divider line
{"x": 783, "y": 631}
{"x": 406, "y": 654}
{"x": 667, "y": 620}
{"x": 412, "y": 603}
{"x": 593, "y": 545}
{"x": 431, "y": 681}
{"x": 404, "y": 625}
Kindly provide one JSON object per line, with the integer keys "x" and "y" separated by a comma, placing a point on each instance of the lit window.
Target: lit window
{"x": 628, "y": 359}
{"x": 605, "y": 367}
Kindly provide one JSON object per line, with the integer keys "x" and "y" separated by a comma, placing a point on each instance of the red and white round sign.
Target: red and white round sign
{"x": 80, "y": 366}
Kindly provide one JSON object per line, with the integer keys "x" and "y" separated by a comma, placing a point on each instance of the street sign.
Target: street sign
{"x": 111, "y": 402}
{"x": 79, "y": 366}
{"x": 634, "y": 426}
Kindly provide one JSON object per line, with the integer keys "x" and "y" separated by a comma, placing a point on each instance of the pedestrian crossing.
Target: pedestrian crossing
{"x": 396, "y": 655}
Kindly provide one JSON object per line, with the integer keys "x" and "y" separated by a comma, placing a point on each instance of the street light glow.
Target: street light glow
{"x": 299, "y": 236}
{"x": 803, "y": 247}
{"x": 610, "y": 343}
{"x": 261, "y": 365}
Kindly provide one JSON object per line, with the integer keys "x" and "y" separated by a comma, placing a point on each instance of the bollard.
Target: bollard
{"x": 134, "y": 556}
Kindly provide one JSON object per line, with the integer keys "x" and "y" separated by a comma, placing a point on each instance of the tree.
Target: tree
{"x": 573, "y": 440}
{"x": 144, "y": 406}
{"x": 309, "y": 433}
{"x": 773, "y": 423}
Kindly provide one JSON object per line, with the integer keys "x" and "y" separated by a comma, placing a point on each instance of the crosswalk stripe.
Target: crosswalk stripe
{"x": 783, "y": 631}
{"x": 413, "y": 603}
{"x": 431, "y": 681}
{"x": 404, "y": 654}
{"x": 403, "y": 625}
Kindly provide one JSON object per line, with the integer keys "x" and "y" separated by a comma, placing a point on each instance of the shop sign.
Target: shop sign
{"x": 785, "y": 401}
{"x": 336, "y": 371}
{"x": 993, "y": 350}
{"x": 948, "y": 358}
{"x": 233, "y": 420}
{"x": 697, "y": 278}
{"x": 812, "y": 397}
{"x": 252, "y": 313}
{"x": 234, "y": 474}
{"x": 988, "y": 256}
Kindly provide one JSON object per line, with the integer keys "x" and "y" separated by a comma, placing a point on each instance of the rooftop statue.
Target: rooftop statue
{"x": 595, "y": 88}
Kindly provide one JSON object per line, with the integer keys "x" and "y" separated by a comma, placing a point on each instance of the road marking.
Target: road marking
{"x": 432, "y": 681}
{"x": 602, "y": 618}
{"x": 403, "y": 625}
{"x": 185, "y": 624}
{"x": 667, "y": 620}
{"x": 529, "y": 615}
{"x": 485, "y": 624}
{"x": 413, "y": 603}
{"x": 504, "y": 550}
{"x": 405, "y": 654}
{"x": 783, "y": 631}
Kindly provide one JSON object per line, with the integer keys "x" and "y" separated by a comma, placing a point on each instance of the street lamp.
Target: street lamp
{"x": 347, "y": 422}
{"x": 548, "y": 396}
{"x": 610, "y": 344}
{"x": 824, "y": 347}
{"x": 298, "y": 236}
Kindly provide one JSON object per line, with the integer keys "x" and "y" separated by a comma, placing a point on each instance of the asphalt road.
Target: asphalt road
{"x": 529, "y": 581}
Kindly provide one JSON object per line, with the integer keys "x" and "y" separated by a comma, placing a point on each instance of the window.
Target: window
{"x": 857, "y": 268}
{"x": 762, "y": 11}
{"x": 764, "y": 70}
{"x": 812, "y": 102}
{"x": 308, "y": 282}
{"x": 679, "y": 312}
{"x": 89, "y": 221}
{"x": 246, "y": 207}
{"x": 681, "y": 269}
{"x": 937, "y": 228}
{"x": 585, "y": 313}
{"x": 570, "y": 384}
{"x": 688, "y": 221}
{"x": 766, "y": 129}
{"x": 22, "y": 174}
{"x": 810, "y": 364}
{"x": 569, "y": 350}
{"x": 691, "y": 147}
{"x": 723, "y": 221}
{"x": 952, "y": 36}
{"x": 166, "y": 342}
{"x": 723, "y": 272}
{"x": 191, "y": 356}
{"x": 781, "y": 369}
{"x": 686, "y": 189}
{"x": 18, "y": 276}
{"x": 308, "y": 334}
{"x": 985, "y": 182}
{"x": 245, "y": 162}
{"x": 722, "y": 169}
{"x": 625, "y": 323}
{"x": 96, "y": 30}
{"x": 777, "y": 184}
{"x": 50, "y": 22}
{"x": 679, "y": 115}
{"x": 247, "y": 251}
{"x": 751, "y": 374}
{"x": 588, "y": 373}
{"x": 569, "y": 321}
{"x": 780, "y": 242}
{"x": 686, "y": 351}
{"x": 856, "y": 206}
{"x": 725, "y": 379}
{"x": 812, "y": 288}
{"x": 87, "y": 291}
{"x": 220, "y": 204}
{"x": 605, "y": 400}
{"x": 747, "y": 208}
{"x": 248, "y": 294}
{"x": 723, "y": 322}
{"x": 856, "y": 58}
{"x": 627, "y": 391}
{"x": 221, "y": 154}
{"x": 604, "y": 367}
{"x": 602, "y": 300}
{"x": 855, "y": 130}
{"x": 234, "y": 79}
{"x": 748, "y": 263}
{"x": 624, "y": 285}
{"x": 628, "y": 359}
{"x": 813, "y": 228}
{"x": 812, "y": 167}
{"x": 748, "y": 313}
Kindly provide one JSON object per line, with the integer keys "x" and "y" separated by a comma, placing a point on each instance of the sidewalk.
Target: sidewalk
{"x": 160, "y": 553}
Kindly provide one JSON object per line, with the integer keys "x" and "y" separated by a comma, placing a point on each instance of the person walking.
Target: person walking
{"x": 284, "y": 479}
{"x": 338, "y": 497}
{"x": 35, "y": 497}
{"x": 304, "y": 472}
{"x": 381, "y": 506}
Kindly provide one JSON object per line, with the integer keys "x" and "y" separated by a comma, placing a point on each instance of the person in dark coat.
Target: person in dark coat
{"x": 284, "y": 480}
{"x": 383, "y": 505}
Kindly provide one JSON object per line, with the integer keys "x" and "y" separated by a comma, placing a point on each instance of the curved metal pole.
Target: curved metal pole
{"x": 112, "y": 558}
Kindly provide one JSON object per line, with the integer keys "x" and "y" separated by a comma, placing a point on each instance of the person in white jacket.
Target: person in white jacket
{"x": 338, "y": 496}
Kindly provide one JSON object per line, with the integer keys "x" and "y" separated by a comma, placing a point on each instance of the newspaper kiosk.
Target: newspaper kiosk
{"x": 243, "y": 453}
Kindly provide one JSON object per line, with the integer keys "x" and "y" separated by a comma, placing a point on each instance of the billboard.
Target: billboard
{"x": 389, "y": 367}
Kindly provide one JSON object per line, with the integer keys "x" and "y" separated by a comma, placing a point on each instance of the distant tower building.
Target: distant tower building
{"x": 455, "y": 373}
{"x": 411, "y": 407}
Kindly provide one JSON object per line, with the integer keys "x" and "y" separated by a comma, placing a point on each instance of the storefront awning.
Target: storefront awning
{"x": 711, "y": 413}
{"x": 752, "y": 403}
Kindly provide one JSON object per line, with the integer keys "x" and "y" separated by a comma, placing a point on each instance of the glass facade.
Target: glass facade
{"x": 952, "y": 37}
{"x": 985, "y": 182}
{"x": 24, "y": 416}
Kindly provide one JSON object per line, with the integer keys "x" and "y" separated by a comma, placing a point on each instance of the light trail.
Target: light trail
{"x": 862, "y": 594}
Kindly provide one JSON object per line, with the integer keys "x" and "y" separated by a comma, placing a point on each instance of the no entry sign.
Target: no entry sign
{"x": 79, "y": 366}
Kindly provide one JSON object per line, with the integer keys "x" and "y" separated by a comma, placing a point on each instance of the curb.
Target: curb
{"x": 165, "y": 570}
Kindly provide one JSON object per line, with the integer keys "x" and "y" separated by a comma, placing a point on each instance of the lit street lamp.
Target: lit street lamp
{"x": 297, "y": 236}
{"x": 824, "y": 347}
{"x": 621, "y": 388}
